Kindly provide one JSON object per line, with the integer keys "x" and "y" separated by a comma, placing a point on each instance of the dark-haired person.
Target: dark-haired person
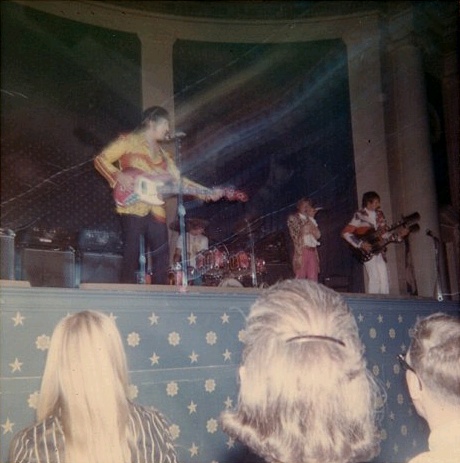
{"x": 432, "y": 365}
{"x": 142, "y": 150}
{"x": 370, "y": 218}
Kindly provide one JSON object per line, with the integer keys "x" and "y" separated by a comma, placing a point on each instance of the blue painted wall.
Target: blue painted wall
{"x": 183, "y": 351}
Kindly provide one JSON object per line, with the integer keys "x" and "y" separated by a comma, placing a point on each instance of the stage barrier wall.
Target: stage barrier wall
{"x": 184, "y": 349}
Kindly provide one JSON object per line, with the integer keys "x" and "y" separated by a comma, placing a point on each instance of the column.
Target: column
{"x": 412, "y": 150}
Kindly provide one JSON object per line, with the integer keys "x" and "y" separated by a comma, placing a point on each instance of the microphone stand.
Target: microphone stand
{"x": 181, "y": 211}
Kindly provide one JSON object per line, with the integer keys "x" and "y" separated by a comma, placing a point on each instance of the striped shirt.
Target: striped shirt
{"x": 44, "y": 442}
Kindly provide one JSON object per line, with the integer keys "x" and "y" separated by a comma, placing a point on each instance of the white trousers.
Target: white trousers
{"x": 377, "y": 272}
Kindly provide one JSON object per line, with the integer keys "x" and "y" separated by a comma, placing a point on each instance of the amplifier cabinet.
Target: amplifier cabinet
{"x": 100, "y": 268}
{"x": 277, "y": 272}
{"x": 7, "y": 265}
{"x": 44, "y": 267}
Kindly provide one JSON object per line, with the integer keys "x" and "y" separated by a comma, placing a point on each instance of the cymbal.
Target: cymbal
{"x": 190, "y": 222}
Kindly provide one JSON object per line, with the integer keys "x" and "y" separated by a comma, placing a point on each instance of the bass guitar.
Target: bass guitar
{"x": 380, "y": 239}
{"x": 153, "y": 188}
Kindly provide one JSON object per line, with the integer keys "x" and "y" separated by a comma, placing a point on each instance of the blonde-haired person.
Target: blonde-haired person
{"x": 84, "y": 414}
{"x": 305, "y": 393}
{"x": 432, "y": 367}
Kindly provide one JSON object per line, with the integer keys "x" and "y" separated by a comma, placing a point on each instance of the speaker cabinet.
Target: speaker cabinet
{"x": 43, "y": 267}
{"x": 100, "y": 268}
{"x": 7, "y": 255}
{"x": 277, "y": 272}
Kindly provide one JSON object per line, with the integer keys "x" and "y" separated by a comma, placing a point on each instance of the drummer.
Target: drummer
{"x": 197, "y": 242}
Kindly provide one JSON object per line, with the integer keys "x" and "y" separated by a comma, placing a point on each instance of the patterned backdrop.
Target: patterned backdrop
{"x": 183, "y": 352}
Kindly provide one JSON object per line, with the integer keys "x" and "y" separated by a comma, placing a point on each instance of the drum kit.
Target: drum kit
{"x": 217, "y": 265}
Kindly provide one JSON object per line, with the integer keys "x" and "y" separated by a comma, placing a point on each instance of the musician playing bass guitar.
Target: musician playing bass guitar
{"x": 140, "y": 151}
{"x": 370, "y": 222}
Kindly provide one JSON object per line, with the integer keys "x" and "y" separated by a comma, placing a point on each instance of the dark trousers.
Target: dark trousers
{"x": 156, "y": 241}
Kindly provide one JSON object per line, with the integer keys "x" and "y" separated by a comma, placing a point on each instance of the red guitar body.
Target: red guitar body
{"x": 152, "y": 188}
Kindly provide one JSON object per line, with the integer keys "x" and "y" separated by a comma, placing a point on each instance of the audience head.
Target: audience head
{"x": 434, "y": 360}
{"x": 305, "y": 393}
{"x": 85, "y": 382}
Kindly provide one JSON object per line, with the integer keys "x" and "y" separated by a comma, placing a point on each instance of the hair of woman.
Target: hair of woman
{"x": 85, "y": 383}
{"x": 434, "y": 354}
{"x": 305, "y": 393}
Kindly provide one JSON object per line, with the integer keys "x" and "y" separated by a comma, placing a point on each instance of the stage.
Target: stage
{"x": 184, "y": 346}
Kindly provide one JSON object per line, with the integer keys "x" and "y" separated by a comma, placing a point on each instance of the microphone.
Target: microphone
{"x": 176, "y": 135}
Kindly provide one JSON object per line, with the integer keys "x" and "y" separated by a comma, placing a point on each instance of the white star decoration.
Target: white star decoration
{"x": 16, "y": 365}
{"x": 191, "y": 319}
{"x": 154, "y": 359}
{"x": 153, "y": 319}
{"x": 225, "y": 318}
{"x": 18, "y": 319}
{"x": 230, "y": 443}
{"x": 191, "y": 407}
{"x": 228, "y": 403}
{"x": 227, "y": 355}
{"x": 193, "y": 450}
{"x": 8, "y": 426}
{"x": 193, "y": 357}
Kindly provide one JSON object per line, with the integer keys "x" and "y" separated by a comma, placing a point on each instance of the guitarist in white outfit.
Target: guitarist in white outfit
{"x": 368, "y": 221}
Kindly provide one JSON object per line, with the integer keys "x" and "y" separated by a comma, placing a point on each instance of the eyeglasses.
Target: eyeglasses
{"x": 405, "y": 366}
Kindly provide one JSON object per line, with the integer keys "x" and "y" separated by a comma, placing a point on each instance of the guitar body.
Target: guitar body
{"x": 152, "y": 189}
{"x": 379, "y": 240}
{"x": 379, "y": 244}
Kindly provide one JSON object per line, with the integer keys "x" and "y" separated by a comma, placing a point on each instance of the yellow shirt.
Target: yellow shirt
{"x": 133, "y": 151}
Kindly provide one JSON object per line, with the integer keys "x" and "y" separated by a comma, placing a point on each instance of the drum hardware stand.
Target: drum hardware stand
{"x": 142, "y": 260}
{"x": 181, "y": 211}
{"x": 438, "y": 288}
{"x": 253, "y": 259}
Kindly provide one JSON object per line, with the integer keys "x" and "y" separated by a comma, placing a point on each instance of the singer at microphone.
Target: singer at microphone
{"x": 121, "y": 162}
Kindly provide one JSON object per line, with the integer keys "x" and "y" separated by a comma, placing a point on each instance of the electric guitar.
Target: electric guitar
{"x": 379, "y": 239}
{"x": 152, "y": 189}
